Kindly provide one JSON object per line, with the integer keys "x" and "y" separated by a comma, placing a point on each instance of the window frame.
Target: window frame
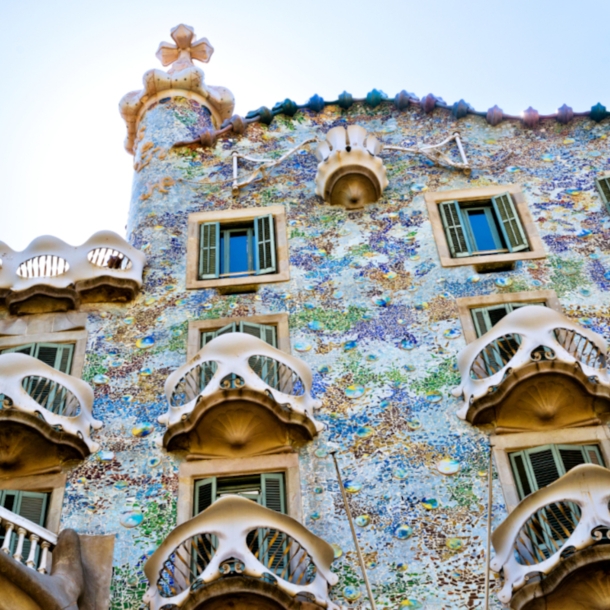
{"x": 605, "y": 199}
{"x": 467, "y": 196}
{"x": 286, "y": 463}
{"x": 227, "y": 218}
{"x": 48, "y": 328}
{"x": 505, "y": 444}
{"x": 467, "y": 304}
{"x": 279, "y": 320}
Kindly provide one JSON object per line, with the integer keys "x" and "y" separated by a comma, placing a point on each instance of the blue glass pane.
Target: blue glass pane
{"x": 238, "y": 252}
{"x": 481, "y": 230}
{"x": 222, "y": 253}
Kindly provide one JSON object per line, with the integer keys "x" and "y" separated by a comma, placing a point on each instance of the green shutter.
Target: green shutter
{"x": 205, "y": 494}
{"x": 30, "y": 505}
{"x": 454, "y": 229}
{"x": 510, "y": 224}
{"x": 603, "y": 186}
{"x": 482, "y": 322}
{"x": 272, "y": 490}
{"x": 264, "y": 239}
{"x": 266, "y": 332}
{"x": 209, "y": 250}
{"x": 21, "y": 349}
{"x": 56, "y": 355}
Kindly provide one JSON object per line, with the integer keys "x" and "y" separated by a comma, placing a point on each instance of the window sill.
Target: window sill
{"x": 249, "y": 283}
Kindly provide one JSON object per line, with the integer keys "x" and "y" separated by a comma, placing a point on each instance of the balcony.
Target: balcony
{"x": 553, "y": 549}
{"x": 50, "y": 275}
{"x": 45, "y": 417}
{"x": 39, "y": 570}
{"x": 239, "y": 554}
{"x": 534, "y": 370}
{"x": 239, "y": 397}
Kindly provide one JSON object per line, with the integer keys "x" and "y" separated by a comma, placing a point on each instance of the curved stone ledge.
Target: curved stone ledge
{"x": 228, "y": 521}
{"x": 66, "y": 407}
{"x": 580, "y": 582}
{"x": 221, "y": 375}
{"x": 529, "y": 340}
{"x": 587, "y": 489}
{"x": 50, "y": 275}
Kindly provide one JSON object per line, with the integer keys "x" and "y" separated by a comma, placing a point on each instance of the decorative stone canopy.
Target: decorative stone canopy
{"x": 50, "y": 275}
{"x": 534, "y": 370}
{"x": 46, "y": 417}
{"x": 350, "y": 173}
{"x": 182, "y": 79}
{"x": 221, "y": 535}
{"x": 571, "y": 513}
{"x": 238, "y": 397}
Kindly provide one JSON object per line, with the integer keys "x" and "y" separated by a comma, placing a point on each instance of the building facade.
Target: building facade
{"x": 408, "y": 286}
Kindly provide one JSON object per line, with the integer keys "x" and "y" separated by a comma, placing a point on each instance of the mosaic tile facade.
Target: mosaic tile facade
{"x": 371, "y": 311}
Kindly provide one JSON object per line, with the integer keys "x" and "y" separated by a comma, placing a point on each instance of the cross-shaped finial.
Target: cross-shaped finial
{"x": 185, "y": 50}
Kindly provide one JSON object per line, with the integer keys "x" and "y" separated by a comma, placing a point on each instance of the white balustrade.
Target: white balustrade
{"x": 18, "y": 533}
{"x": 33, "y": 387}
{"x": 239, "y": 360}
{"x": 566, "y": 515}
{"x": 240, "y": 536}
{"x": 52, "y": 262}
{"x": 527, "y": 334}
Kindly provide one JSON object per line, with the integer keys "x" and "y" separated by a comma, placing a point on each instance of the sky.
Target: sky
{"x": 67, "y": 63}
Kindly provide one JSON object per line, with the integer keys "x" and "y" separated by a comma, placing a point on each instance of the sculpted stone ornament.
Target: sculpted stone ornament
{"x": 534, "y": 370}
{"x": 182, "y": 79}
{"x": 350, "y": 173}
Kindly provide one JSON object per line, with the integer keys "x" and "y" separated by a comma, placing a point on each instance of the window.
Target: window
{"x": 483, "y": 227}
{"x": 485, "y": 318}
{"x": 57, "y": 355}
{"x": 538, "y": 467}
{"x": 488, "y": 227}
{"x": 237, "y": 251}
{"x": 603, "y": 186}
{"x": 237, "y": 248}
{"x": 266, "y": 332}
{"x": 28, "y": 504}
{"x": 265, "y": 489}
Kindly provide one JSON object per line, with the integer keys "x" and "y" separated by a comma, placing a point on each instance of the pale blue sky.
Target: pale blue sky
{"x": 67, "y": 63}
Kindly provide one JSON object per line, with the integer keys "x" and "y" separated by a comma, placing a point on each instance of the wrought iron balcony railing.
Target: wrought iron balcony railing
{"x": 26, "y": 542}
{"x": 63, "y": 402}
{"x": 527, "y": 335}
{"x": 556, "y": 521}
{"x": 50, "y": 262}
{"x": 237, "y": 535}
{"x": 240, "y": 361}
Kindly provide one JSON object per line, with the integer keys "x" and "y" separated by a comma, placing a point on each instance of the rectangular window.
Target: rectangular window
{"x": 477, "y": 228}
{"x": 540, "y": 466}
{"x": 237, "y": 250}
{"x": 603, "y": 186}
{"x": 485, "y": 318}
{"x": 266, "y": 332}
{"x": 28, "y": 504}
{"x": 268, "y": 490}
{"x": 57, "y": 355}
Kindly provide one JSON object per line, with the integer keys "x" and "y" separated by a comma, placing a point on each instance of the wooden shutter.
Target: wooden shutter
{"x": 593, "y": 455}
{"x": 510, "y": 224}
{"x": 273, "y": 497}
{"x": 454, "y": 229}
{"x": 205, "y": 494}
{"x": 603, "y": 186}
{"x": 264, "y": 241}
{"x": 30, "y": 505}
{"x": 57, "y": 355}
{"x": 209, "y": 250}
{"x": 482, "y": 322}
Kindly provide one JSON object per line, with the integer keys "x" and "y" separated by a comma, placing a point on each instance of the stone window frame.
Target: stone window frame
{"x": 489, "y": 261}
{"x": 190, "y": 472}
{"x": 504, "y": 444}
{"x": 279, "y": 320}
{"x": 54, "y": 484}
{"x": 48, "y": 328}
{"x": 237, "y": 284}
{"x": 465, "y": 304}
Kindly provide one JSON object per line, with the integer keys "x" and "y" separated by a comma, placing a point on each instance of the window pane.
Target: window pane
{"x": 482, "y": 232}
{"x": 496, "y": 314}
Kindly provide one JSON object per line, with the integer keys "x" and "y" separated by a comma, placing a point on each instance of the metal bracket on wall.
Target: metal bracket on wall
{"x": 266, "y": 165}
